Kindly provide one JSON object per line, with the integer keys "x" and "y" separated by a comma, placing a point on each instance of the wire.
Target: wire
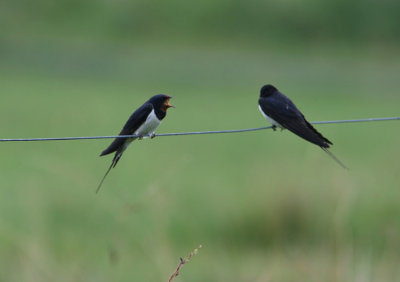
{"x": 194, "y": 132}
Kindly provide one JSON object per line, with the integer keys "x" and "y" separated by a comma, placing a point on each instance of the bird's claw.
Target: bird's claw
{"x": 140, "y": 136}
{"x": 152, "y": 135}
{"x": 274, "y": 127}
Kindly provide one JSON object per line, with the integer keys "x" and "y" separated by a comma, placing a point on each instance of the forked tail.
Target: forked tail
{"x": 104, "y": 177}
{"x": 113, "y": 164}
{"x": 334, "y": 157}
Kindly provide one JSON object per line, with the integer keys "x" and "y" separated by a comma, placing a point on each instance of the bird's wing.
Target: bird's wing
{"x": 283, "y": 111}
{"x": 133, "y": 123}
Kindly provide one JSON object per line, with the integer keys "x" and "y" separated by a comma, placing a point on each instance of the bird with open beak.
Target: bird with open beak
{"x": 142, "y": 122}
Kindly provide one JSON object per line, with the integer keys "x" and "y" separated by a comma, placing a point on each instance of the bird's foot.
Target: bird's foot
{"x": 152, "y": 135}
{"x": 140, "y": 136}
{"x": 274, "y": 127}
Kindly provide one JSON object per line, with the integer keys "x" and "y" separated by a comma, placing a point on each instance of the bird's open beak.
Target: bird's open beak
{"x": 168, "y": 104}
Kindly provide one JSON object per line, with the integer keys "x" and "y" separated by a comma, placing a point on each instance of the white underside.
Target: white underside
{"x": 147, "y": 128}
{"x": 273, "y": 122}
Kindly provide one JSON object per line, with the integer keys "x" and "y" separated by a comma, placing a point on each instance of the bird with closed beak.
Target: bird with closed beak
{"x": 281, "y": 112}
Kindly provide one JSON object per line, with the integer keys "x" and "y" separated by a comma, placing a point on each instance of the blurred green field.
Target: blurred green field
{"x": 265, "y": 206}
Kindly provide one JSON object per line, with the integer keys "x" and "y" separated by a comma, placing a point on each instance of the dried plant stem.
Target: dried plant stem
{"x": 182, "y": 262}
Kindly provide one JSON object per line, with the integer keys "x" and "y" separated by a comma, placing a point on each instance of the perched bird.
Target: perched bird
{"x": 143, "y": 121}
{"x": 281, "y": 112}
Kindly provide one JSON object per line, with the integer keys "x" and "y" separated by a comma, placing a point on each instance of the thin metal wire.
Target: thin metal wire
{"x": 194, "y": 132}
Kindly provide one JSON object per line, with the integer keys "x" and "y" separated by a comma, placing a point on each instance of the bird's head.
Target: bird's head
{"x": 161, "y": 102}
{"x": 267, "y": 90}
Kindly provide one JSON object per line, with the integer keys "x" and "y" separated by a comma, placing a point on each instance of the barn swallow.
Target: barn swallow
{"x": 143, "y": 121}
{"x": 281, "y": 112}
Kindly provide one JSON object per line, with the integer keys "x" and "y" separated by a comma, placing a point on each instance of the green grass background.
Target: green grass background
{"x": 265, "y": 206}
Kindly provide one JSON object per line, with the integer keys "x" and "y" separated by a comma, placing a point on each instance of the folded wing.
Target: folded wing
{"x": 283, "y": 111}
{"x": 133, "y": 123}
